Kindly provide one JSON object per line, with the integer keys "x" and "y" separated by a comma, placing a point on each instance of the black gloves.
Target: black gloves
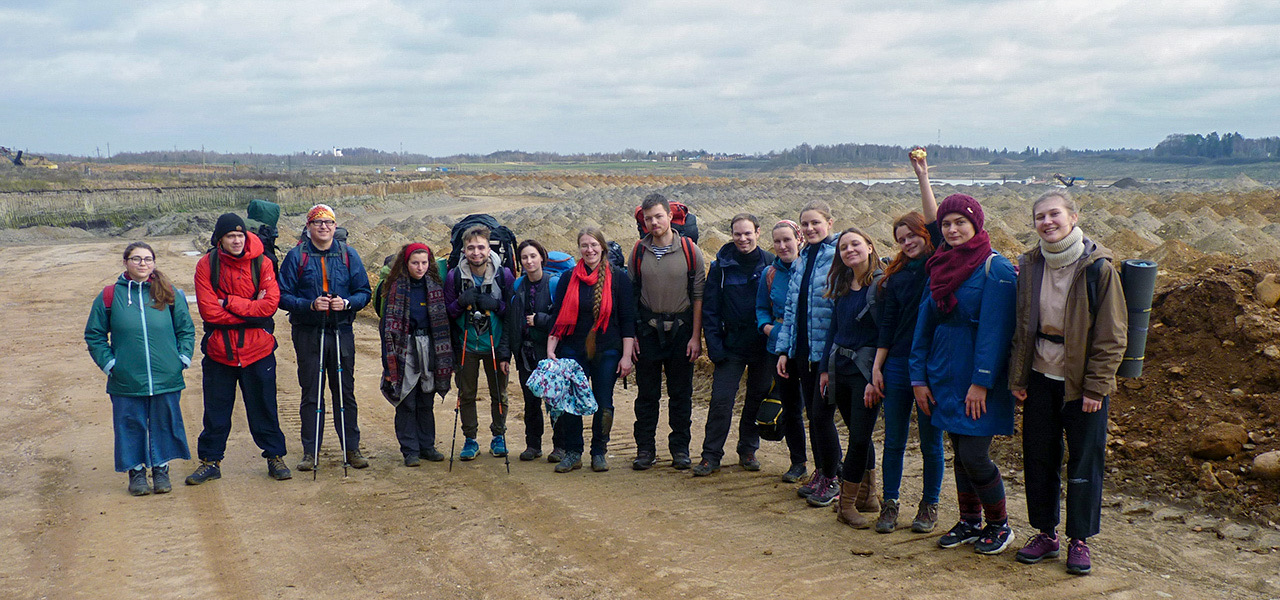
{"x": 468, "y": 297}
{"x": 486, "y": 302}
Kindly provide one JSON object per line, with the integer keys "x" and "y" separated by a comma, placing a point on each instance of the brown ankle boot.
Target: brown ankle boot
{"x": 868, "y": 499}
{"x": 845, "y": 512}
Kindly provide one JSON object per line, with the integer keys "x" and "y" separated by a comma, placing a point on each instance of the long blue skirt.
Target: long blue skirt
{"x": 148, "y": 430}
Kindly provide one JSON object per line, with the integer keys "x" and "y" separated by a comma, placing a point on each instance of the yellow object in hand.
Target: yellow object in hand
{"x": 918, "y": 154}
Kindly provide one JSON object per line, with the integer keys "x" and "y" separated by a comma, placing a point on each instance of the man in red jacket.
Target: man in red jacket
{"x": 237, "y": 294}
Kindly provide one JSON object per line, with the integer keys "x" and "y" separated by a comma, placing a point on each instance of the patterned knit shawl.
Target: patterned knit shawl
{"x": 397, "y": 338}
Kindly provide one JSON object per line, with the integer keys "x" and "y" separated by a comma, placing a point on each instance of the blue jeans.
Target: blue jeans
{"x": 603, "y": 374}
{"x": 148, "y": 430}
{"x": 898, "y": 402}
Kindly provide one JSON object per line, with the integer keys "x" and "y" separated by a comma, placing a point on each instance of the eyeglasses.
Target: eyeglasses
{"x": 324, "y": 224}
{"x": 142, "y": 260}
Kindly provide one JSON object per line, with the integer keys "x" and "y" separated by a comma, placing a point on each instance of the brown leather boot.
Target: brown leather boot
{"x": 845, "y": 511}
{"x": 868, "y": 499}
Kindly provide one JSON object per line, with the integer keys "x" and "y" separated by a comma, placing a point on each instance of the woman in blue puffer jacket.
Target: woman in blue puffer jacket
{"x": 771, "y": 311}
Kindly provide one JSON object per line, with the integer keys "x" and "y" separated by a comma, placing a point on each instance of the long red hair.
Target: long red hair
{"x": 914, "y": 222}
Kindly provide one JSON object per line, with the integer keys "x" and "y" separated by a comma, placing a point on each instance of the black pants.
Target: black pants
{"x": 656, "y": 358}
{"x": 846, "y": 393}
{"x": 257, "y": 383}
{"x": 1045, "y": 418}
{"x": 724, "y": 393}
{"x": 979, "y": 485}
{"x": 306, "y": 343}
{"x": 533, "y": 424}
{"x": 822, "y": 424}
{"x": 416, "y": 422}
{"x": 793, "y": 416}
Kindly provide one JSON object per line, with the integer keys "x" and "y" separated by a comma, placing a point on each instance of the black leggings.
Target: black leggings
{"x": 845, "y": 393}
{"x": 979, "y": 486}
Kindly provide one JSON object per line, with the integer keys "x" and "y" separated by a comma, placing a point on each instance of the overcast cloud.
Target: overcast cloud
{"x": 585, "y": 76}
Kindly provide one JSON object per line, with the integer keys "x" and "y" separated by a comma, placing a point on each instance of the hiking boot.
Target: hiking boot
{"x": 470, "y": 449}
{"x": 207, "y": 471}
{"x": 356, "y": 460}
{"x": 868, "y": 497}
{"x": 412, "y": 460}
{"x": 926, "y": 517}
{"x": 598, "y": 463}
{"x": 963, "y": 533}
{"x": 705, "y": 468}
{"x": 498, "y": 447}
{"x": 795, "y": 473}
{"x": 571, "y": 461}
{"x": 1078, "y": 562}
{"x": 681, "y": 461}
{"x": 530, "y": 454}
{"x": 1038, "y": 548}
{"x": 277, "y": 469}
{"x": 749, "y": 462}
{"x": 807, "y": 489}
{"x": 557, "y": 454}
{"x": 994, "y": 539}
{"x": 160, "y": 480}
{"x": 644, "y": 461}
{"x": 846, "y": 510}
{"x": 308, "y": 462}
{"x": 138, "y": 482}
{"x": 888, "y": 520}
{"x": 826, "y": 493}
{"x": 432, "y": 454}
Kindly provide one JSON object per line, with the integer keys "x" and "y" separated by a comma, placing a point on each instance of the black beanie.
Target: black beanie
{"x": 226, "y": 224}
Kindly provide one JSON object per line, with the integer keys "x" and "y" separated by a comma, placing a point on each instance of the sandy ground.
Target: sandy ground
{"x": 70, "y": 530}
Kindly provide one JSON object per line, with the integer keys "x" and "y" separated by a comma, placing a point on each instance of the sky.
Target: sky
{"x": 568, "y": 76}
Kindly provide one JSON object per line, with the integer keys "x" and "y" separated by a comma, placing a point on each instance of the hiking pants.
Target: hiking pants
{"x": 257, "y": 382}
{"x": 899, "y": 401}
{"x": 306, "y": 343}
{"x": 979, "y": 487}
{"x": 793, "y": 415}
{"x": 148, "y": 430}
{"x": 533, "y": 424}
{"x": 416, "y": 422}
{"x": 603, "y": 374}
{"x": 822, "y": 425}
{"x": 845, "y": 392}
{"x": 724, "y": 393}
{"x": 654, "y": 359}
{"x": 1045, "y": 418}
{"x": 468, "y": 379}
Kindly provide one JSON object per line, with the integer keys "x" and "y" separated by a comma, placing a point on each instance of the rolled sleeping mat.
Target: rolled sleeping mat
{"x": 1138, "y": 278}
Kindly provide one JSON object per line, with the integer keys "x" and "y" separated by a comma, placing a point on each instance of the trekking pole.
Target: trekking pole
{"x": 506, "y": 458}
{"x": 458, "y": 405}
{"x": 315, "y": 456}
{"x": 342, "y": 410}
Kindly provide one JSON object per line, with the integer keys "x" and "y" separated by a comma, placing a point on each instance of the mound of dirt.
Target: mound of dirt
{"x": 1127, "y": 183}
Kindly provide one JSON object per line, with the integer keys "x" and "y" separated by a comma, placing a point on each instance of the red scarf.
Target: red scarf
{"x": 567, "y": 320}
{"x": 949, "y": 267}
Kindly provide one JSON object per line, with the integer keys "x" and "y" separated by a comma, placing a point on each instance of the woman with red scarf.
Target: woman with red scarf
{"x": 594, "y": 325}
{"x": 959, "y": 364}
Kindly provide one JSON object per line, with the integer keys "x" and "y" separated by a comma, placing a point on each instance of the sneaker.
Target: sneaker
{"x": 705, "y": 468}
{"x": 795, "y": 473}
{"x": 356, "y": 460}
{"x": 498, "y": 447}
{"x": 1078, "y": 562}
{"x": 599, "y": 463}
{"x": 962, "y": 533}
{"x": 308, "y": 462}
{"x": 530, "y": 454}
{"x": 160, "y": 480}
{"x": 138, "y": 482}
{"x": 557, "y": 454}
{"x": 994, "y": 539}
{"x": 470, "y": 449}
{"x": 277, "y": 469}
{"x": 681, "y": 461}
{"x": 571, "y": 461}
{"x": 807, "y": 489}
{"x": 207, "y": 471}
{"x": 749, "y": 462}
{"x": 432, "y": 454}
{"x": 825, "y": 493}
{"x": 1038, "y": 548}
{"x": 926, "y": 518}
{"x": 888, "y": 520}
{"x": 644, "y": 460}
{"x": 412, "y": 460}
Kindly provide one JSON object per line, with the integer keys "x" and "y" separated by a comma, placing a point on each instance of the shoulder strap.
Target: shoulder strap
{"x": 637, "y": 252}
{"x": 1091, "y": 275}
{"x": 215, "y": 269}
{"x": 108, "y": 294}
{"x": 255, "y": 270}
{"x": 770, "y": 272}
{"x": 987, "y": 265}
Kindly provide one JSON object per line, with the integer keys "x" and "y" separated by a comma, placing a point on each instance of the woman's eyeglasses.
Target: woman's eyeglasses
{"x": 142, "y": 260}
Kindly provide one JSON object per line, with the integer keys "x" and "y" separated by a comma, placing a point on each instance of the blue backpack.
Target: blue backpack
{"x": 559, "y": 263}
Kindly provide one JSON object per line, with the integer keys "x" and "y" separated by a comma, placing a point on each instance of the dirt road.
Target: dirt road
{"x": 71, "y": 531}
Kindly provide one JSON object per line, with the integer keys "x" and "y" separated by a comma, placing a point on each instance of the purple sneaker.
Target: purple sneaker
{"x": 826, "y": 493}
{"x": 1078, "y": 562}
{"x": 814, "y": 483}
{"x": 1038, "y": 548}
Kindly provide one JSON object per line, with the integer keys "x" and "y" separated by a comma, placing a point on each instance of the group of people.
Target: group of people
{"x": 822, "y": 324}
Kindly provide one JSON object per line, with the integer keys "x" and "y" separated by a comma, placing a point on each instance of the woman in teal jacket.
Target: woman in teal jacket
{"x": 141, "y": 335}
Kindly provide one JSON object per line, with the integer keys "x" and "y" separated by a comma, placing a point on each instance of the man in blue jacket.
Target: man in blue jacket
{"x": 323, "y": 285}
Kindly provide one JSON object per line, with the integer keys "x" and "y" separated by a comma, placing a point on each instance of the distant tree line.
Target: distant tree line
{"x": 1218, "y": 146}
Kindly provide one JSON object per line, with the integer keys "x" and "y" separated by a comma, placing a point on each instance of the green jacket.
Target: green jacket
{"x": 143, "y": 350}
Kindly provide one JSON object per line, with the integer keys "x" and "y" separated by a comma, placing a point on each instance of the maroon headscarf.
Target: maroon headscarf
{"x": 949, "y": 267}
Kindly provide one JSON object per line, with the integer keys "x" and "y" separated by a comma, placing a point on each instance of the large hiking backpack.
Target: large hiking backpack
{"x": 264, "y": 218}
{"x": 559, "y": 263}
{"x": 501, "y": 240}
{"x": 682, "y": 220}
{"x": 617, "y": 257}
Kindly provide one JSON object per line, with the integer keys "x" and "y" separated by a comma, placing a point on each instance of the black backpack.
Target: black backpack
{"x": 769, "y": 416}
{"x": 501, "y": 240}
{"x": 617, "y": 257}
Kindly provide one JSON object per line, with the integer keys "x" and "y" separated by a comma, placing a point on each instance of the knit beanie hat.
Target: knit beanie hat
{"x": 226, "y": 224}
{"x": 320, "y": 212}
{"x": 966, "y": 206}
